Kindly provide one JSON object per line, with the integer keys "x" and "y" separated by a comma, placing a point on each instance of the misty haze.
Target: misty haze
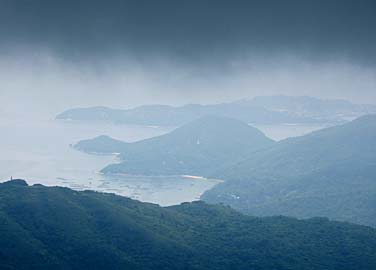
{"x": 188, "y": 134}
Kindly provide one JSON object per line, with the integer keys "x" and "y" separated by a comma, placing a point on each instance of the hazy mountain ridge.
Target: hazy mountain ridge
{"x": 329, "y": 172}
{"x": 320, "y": 109}
{"x": 200, "y": 147}
{"x": 164, "y": 115}
{"x": 54, "y": 227}
{"x": 261, "y": 110}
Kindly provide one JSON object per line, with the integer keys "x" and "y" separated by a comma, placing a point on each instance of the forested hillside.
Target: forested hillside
{"x": 58, "y": 228}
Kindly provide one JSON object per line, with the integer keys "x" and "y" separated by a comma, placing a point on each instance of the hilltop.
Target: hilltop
{"x": 200, "y": 147}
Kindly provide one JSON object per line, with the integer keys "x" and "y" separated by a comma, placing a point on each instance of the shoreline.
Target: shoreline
{"x": 185, "y": 176}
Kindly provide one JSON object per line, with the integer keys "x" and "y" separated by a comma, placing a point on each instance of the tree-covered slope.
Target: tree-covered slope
{"x": 58, "y": 228}
{"x": 330, "y": 172}
{"x": 198, "y": 148}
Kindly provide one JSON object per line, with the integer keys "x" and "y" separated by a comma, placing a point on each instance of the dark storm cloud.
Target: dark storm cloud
{"x": 56, "y": 54}
{"x": 191, "y": 30}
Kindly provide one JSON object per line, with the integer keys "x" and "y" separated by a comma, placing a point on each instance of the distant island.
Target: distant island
{"x": 259, "y": 110}
{"x": 58, "y": 228}
{"x": 101, "y": 145}
{"x": 199, "y": 148}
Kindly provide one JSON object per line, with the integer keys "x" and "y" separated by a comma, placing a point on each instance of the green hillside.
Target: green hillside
{"x": 58, "y": 228}
{"x": 330, "y": 173}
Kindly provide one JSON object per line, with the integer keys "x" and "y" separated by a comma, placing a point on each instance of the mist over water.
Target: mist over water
{"x": 36, "y": 147}
{"x": 51, "y": 83}
{"x": 40, "y": 150}
{"x": 114, "y": 58}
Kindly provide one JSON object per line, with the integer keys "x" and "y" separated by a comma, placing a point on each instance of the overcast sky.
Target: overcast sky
{"x": 59, "y": 54}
